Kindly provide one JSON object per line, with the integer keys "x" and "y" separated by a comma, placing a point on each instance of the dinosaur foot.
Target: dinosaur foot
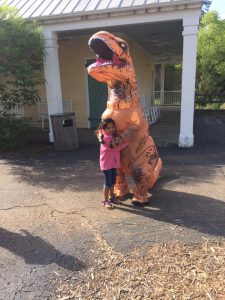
{"x": 139, "y": 203}
{"x": 123, "y": 195}
{"x": 140, "y": 200}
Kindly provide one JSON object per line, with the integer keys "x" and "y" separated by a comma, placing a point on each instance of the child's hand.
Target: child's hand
{"x": 119, "y": 140}
{"x": 130, "y": 133}
{"x": 113, "y": 143}
{"x": 116, "y": 141}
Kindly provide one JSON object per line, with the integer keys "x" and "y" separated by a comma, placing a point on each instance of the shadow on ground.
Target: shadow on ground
{"x": 75, "y": 170}
{"x": 78, "y": 171}
{"x": 34, "y": 250}
{"x": 204, "y": 214}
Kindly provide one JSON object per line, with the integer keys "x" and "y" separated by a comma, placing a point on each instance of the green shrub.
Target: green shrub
{"x": 213, "y": 106}
{"x": 210, "y": 106}
{"x": 13, "y": 132}
{"x": 21, "y": 60}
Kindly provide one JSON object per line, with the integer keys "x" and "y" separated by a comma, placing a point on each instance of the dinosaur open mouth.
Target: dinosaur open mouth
{"x": 105, "y": 55}
{"x": 101, "y": 49}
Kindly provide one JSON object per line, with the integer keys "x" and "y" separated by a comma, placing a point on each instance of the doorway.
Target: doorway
{"x": 98, "y": 96}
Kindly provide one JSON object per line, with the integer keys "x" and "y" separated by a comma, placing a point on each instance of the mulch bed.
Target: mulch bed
{"x": 160, "y": 272}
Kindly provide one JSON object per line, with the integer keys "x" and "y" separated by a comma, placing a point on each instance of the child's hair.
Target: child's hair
{"x": 102, "y": 126}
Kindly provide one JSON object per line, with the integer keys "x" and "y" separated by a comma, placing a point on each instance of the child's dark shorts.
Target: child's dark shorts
{"x": 110, "y": 177}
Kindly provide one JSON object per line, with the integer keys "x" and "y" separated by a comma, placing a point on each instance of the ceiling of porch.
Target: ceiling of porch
{"x": 163, "y": 40}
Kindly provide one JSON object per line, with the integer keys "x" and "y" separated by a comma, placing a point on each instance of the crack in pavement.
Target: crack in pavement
{"x": 105, "y": 246}
{"x": 23, "y": 206}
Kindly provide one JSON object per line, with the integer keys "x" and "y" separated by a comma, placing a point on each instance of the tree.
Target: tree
{"x": 21, "y": 68}
{"x": 211, "y": 53}
{"x": 21, "y": 59}
{"x": 205, "y": 6}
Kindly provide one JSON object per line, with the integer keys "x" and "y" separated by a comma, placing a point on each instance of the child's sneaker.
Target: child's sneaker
{"x": 108, "y": 204}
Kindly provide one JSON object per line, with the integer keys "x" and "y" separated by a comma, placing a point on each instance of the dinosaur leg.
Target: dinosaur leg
{"x": 144, "y": 179}
{"x": 157, "y": 171}
{"x": 141, "y": 179}
{"x": 140, "y": 194}
{"x": 121, "y": 188}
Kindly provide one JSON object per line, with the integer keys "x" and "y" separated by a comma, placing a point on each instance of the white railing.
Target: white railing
{"x": 167, "y": 98}
{"x": 43, "y": 110}
{"x": 18, "y": 110}
{"x": 152, "y": 114}
{"x": 43, "y": 107}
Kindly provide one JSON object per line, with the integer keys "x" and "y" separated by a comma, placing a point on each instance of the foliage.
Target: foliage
{"x": 205, "y": 6}
{"x": 210, "y": 106}
{"x": 211, "y": 53}
{"x": 21, "y": 66}
{"x": 173, "y": 77}
{"x": 21, "y": 60}
{"x": 14, "y": 132}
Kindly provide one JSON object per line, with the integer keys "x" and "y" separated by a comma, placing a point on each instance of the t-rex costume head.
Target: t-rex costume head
{"x": 140, "y": 159}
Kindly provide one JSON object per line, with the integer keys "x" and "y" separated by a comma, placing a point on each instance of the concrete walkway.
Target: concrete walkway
{"x": 166, "y": 130}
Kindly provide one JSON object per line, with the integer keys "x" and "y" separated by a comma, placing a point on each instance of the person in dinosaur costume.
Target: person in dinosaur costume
{"x": 140, "y": 158}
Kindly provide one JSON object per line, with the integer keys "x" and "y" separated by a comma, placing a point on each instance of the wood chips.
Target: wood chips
{"x": 160, "y": 272}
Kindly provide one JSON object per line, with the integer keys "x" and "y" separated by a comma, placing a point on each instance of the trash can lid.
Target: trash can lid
{"x": 62, "y": 114}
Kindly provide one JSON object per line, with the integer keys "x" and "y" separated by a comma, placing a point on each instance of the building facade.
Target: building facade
{"x": 158, "y": 32}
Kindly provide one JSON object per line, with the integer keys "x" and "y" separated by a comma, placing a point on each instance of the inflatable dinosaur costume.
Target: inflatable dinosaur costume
{"x": 139, "y": 159}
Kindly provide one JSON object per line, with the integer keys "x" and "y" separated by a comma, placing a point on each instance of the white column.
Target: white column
{"x": 186, "y": 137}
{"x": 162, "y": 84}
{"x": 52, "y": 77}
{"x": 153, "y": 86}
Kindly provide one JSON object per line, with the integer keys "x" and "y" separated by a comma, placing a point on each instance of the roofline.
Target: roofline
{"x": 140, "y": 9}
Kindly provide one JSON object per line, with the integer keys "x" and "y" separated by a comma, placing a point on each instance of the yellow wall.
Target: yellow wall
{"x": 143, "y": 65}
{"x": 72, "y": 55}
{"x": 72, "y": 59}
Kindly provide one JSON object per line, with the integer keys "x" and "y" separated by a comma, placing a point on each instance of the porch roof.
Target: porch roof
{"x": 51, "y": 9}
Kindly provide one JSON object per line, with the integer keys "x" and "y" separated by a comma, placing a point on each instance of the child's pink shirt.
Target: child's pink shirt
{"x": 110, "y": 157}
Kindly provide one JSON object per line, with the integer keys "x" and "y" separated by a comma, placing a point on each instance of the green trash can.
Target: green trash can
{"x": 64, "y": 131}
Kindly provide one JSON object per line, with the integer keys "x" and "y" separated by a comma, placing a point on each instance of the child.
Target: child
{"x": 109, "y": 157}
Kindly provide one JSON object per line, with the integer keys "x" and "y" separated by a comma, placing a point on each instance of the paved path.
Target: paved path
{"x": 52, "y": 222}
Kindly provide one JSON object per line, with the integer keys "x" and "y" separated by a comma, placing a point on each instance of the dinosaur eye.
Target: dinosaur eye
{"x": 123, "y": 46}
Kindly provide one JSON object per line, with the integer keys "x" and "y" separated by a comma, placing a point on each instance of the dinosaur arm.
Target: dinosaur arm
{"x": 100, "y": 76}
{"x": 107, "y": 73}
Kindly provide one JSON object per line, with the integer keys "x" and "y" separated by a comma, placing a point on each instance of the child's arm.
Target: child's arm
{"x": 120, "y": 143}
{"x": 126, "y": 137}
{"x": 115, "y": 143}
